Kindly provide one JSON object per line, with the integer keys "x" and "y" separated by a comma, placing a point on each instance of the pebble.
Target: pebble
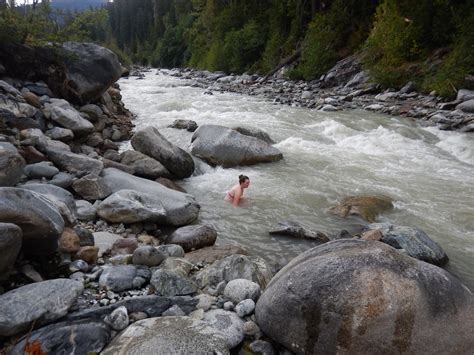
{"x": 245, "y": 307}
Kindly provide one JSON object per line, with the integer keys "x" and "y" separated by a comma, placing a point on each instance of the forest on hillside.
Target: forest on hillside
{"x": 429, "y": 42}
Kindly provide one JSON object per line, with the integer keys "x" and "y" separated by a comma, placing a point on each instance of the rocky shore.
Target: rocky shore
{"x": 101, "y": 250}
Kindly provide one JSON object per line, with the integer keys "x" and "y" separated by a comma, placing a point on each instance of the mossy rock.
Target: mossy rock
{"x": 365, "y": 206}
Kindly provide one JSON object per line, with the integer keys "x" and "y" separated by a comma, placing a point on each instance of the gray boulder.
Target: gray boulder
{"x": 104, "y": 241}
{"x": 168, "y": 335}
{"x": 118, "y": 319}
{"x": 62, "y": 199}
{"x": 400, "y": 304}
{"x": 61, "y": 112}
{"x": 466, "y": 106}
{"x": 169, "y": 283}
{"x": 193, "y": 237}
{"x": 79, "y": 337}
{"x": 60, "y": 134}
{"x": 148, "y": 256}
{"x": 36, "y": 215}
{"x": 238, "y": 290}
{"x": 85, "y": 211}
{"x": 245, "y": 307}
{"x": 10, "y": 245}
{"x": 91, "y": 187}
{"x": 63, "y": 180}
{"x": 149, "y": 141}
{"x": 414, "y": 241}
{"x": 143, "y": 165}
{"x": 11, "y": 164}
{"x": 254, "y": 132}
{"x": 39, "y": 170}
{"x": 220, "y": 145}
{"x": 465, "y": 95}
{"x": 188, "y": 125}
{"x": 171, "y": 250}
{"x": 228, "y": 323}
{"x": 179, "y": 266}
{"x": 42, "y": 302}
{"x": 74, "y": 163}
{"x": 129, "y": 206}
{"x": 124, "y": 277}
{"x": 181, "y": 208}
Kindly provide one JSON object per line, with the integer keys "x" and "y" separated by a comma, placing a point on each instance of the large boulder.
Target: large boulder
{"x": 73, "y": 163}
{"x": 129, "y": 206}
{"x": 37, "y": 216}
{"x": 365, "y": 206}
{"x": 193, "y": 237}
{"x": 11, "y": 164}
{"x": 181, "y": 208}
{"x": 79, "y": 337}
{"x": 220, "y": 145}
{"x": 347, "y": 296}
{"x": 149, "y": 141}
{"x": 466, "y": 106}
{"x": 414, "y": 241}
{"x": 10, "y": 245}
{"x": 61, "y": 112}
{"x": 168, "y": 335}
{"x": 143, "y": 165}
{"x": 41, "y": 302}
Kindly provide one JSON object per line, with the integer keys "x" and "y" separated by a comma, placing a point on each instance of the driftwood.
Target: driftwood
{"x": 283, "y": 62}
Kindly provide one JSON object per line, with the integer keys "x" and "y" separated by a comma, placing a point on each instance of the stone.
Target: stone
{"x": 78, "y": 265}
{"x": 365, "y": 206}
{"x": 69, "y": 241}
{"x": 85, "y": 211}
{"x": 148, "y": 255}
{"x": 251, "y": 328}
{"x": 254, "y": 132}
{"x": 11, "y": 165}
{"x": 245, "y": 308}
{"x": 414, "y": 241}
{"x": 76, "y": 164}
{"x": 143, "y": 165}
{"x": 124, "y": 277}
{"x": 61, "y": 112}
{"x": 168, "y": 283}
{"x": 118, "y": 319}
{"x": 41, "y": 302}
{"x": 294, "y": 229}
{"x": 130, "y": 206}
{"x": 173, "y": 311}
{"x": 402, "y": 305}
{"x": 170, "y": 184}
{"x": 172, "y": 250}
{"x": 188, "y": 125}
{"x": 466, "y": 106}
{"x": 235, "y": 267}
{"x": 38, "y": 218}
{"x": 124, "y": 246}
{"x": 238, "y": 290}
{"x": 31, "y": 154}
{"x": 181, "y": 209}
{"x": 60, "y": 134}
{"x": 465, "y": 95}
{"x": 80, "y": 337}
{"x": 91, "y": 187}
{"x": 89, "y": 254}
{"x": 374, "y": 234}
{"x": 92, "y": 111}
{"x": 149, "y": 141}
{"x": 179, "y": 266}
{"x": 205, "y": 301}
{"x": 262, "y": 347}
{"x": 193, "y": 237}
{"x": 168, "y": 335}
{"x": 228, "y": 323}
{"x": 10, "y": 245}
{"x": 208, "y": 255}
{"x": 86, "y": 238}
{"x": 104, "y": 241}
{"x": 219, "y": 145}
{"x": 63, "y": 180}
{"x": 40, "y": 170}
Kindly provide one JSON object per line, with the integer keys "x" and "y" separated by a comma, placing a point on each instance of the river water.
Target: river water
{"x": 327, "y": 156}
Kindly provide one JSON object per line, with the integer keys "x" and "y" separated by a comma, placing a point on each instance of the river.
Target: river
{"x": 327, "y": 156}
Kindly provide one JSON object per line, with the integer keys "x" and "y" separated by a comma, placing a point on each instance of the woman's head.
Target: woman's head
{"x": 244, "y": 180}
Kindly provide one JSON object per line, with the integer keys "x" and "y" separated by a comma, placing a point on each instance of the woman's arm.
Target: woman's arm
{"x": 237, "y": 195}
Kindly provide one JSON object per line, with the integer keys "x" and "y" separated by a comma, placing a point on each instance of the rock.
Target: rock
{"x": 148, "y": 255}
{"x": 466, "y": 106}
{"x": 294, "y": 229}
{"x": 38, "y": 218}
{"x": 118, "y": 319}
{"x": 168, "y": 283}
{"x": 129, "y": 206}
{"x": 76, "y": 164}
{"x": 375, "y": 234}
{"x": 238, "y": 290}
{"x": 41, "y": 302}
{"x": 11, "y": 164}
{"x": 10, "y": 245}
{"x": 245, "y": 308}
{"x": 86, "y": 238}
{"x": 193, "y": 237}
{"x": 143, "y": 165}
{"x": 91, "y": 187}
{"x": 80, "y": 337}
{"x": 173, "y": 311}
{"x": 366, "y": 207}
{"x": 218, "y": 145}
{"x": 251, "y": 328}
{"x": 414, "y": 241}
{"x": 124, "y": 277}
{"x": 40, "y": 170}
{"x": 170, "y": 184}
{"x": 228, "y": 323}
{"x": 78, "y": 265}
{"x": 179, "y": 266}
{"x": 401, "y": 305}
{"x": 69, "y": 241}
{"x": 31, "y": 154}
{"x": 329, "y": 108}
{"x": 306, "y": 95}
{"x": 181, "y": 209}
{"x": 92, "y": 111}
{"x": 60, "y": 134}
{"x": 61, "y": 198}
{"x": 188, "y": 125}
{"x": 149, "y": 141}
{"x": 124, "y": 246}
{"x": 61, "y": 111}
{"x": 205, "y": 301}
{"x": 344, "y": 72}
{"x": 409, "y": 87}
{"x": 31, "y": 99}
{"x": 255, "y": 132}
{"x": 85, "y": 211}
{"x": 104, "y": 241}
{"x": 209, "y": 255}
{"x": 465, "y": 95}
{"x": 234, "y": 267}
{"x": 262, "y": 347}
{"x": 63, "y": 180}
{"x": 168, "y": 335}
{"x": 172, "y": 250}
{"x": 89, "y": 254}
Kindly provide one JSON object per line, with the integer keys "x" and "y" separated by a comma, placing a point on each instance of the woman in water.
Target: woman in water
{"x": 235, "y": 193}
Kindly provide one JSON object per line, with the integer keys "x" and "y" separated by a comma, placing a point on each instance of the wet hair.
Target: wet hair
{"x": 242, "y": 178}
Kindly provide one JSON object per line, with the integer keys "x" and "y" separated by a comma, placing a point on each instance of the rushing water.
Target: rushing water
{"x": 327, "y": 156}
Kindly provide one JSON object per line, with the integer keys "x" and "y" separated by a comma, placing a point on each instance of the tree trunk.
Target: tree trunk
{"x": 283, "y": 62}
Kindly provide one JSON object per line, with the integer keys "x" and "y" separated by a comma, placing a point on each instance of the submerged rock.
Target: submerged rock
{"x": 366, "y": 207}
{"x": 294, "y": 229}
{"x": 255, "y": 132}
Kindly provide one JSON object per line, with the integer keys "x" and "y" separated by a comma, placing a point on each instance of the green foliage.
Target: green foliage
{"x": 89, "y": 25}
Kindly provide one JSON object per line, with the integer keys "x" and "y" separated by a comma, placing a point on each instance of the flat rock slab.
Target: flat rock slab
{"x": 168, "y": 335}
{"x": 43, "y": 302}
